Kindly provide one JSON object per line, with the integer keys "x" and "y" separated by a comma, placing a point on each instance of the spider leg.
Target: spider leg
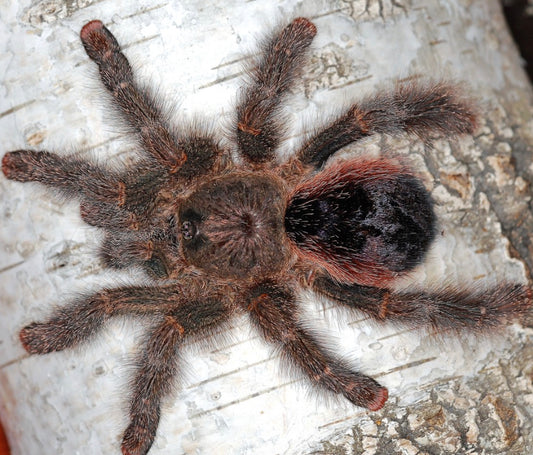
{"x": 108, "y": 216}
{"x": 147, "y": 249}
{"x": 72, "y": 324}
{"x": 417, "y": 109}
{"x": 70, "y": 175}
{"x": 259, "y": 127}
{"x": 189, "y": 156}
{"x": 103, "y": 192}
{"x": 109, "y": 199}
{"x": 447, "y": 309}
{"x": 180, "y": 313}
{"x": 138, "y": 192}
{"x": 159, "y": 364}
{"x": 273, "y": 310}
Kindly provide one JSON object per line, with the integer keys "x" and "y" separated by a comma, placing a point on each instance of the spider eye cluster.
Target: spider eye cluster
{"x": 190, "y": 221}
{"x": 188, "y": 230}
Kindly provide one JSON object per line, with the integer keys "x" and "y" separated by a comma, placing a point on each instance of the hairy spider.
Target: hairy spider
{"x": 220, "y": 236}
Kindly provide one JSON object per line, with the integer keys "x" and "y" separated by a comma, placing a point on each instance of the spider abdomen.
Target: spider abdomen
{"x": 364, "y": 221}
{"x": 233, "y": 226}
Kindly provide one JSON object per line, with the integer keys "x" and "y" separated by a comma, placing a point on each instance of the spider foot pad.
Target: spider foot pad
{"x": 379, "y": 400}
{"x": 19, "y": 165}
{"x": 137, "y": 440}
{"x": 98, "y": 41}
{"x": 39, "y": 338}
{"x": 305, "y": 24}
{"x": 366, "y": 393}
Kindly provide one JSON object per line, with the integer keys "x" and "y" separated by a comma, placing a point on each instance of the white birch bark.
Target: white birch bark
{"x": 453, "y": 396}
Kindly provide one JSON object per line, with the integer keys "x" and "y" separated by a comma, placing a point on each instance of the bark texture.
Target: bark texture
{"x": 446, "y": 396}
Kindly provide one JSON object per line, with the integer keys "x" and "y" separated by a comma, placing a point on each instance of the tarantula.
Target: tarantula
{"x": 220, "y": 235}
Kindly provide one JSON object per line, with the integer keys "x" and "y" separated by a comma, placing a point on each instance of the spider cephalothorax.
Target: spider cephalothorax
{"x": 229, "y": 231}
{"x": 219, "y": 237}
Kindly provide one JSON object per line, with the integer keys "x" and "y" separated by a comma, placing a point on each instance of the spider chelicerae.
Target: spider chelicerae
{"x": 220, "y": 236}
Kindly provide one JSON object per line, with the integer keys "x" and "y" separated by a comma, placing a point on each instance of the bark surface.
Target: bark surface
{"x": 446, "y": 395}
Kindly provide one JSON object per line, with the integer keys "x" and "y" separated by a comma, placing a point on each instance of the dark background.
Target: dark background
{"x": 519, "y": 15}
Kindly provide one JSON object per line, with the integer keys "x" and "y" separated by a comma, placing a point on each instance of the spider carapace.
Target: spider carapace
{"x": 220, "y": 236}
